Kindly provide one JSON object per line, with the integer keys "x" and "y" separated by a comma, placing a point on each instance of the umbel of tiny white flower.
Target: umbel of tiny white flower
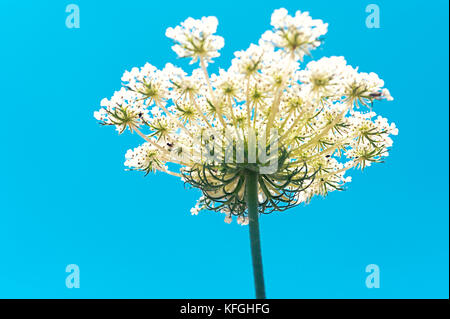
{"x": 315, "y": 122}
{"x": 196, "y": 39}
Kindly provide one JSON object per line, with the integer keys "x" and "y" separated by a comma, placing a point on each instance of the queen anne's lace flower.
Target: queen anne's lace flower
{"x": 320, "y": 117}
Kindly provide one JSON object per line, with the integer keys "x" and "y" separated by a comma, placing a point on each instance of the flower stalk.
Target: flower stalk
{"x": 255, "y": 238}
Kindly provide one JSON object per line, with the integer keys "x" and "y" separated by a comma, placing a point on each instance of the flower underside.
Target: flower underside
{"x": 223, "y": 185}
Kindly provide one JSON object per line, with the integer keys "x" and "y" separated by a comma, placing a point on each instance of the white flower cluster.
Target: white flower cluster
{"x": 298, "y": 34}
{"x": 144, "y": 158}
{"x": 322, "y": 115}
{"x": 196, "y": 39}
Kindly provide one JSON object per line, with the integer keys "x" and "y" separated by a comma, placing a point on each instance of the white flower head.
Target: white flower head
{"x": 196, "y": 39}
{"x": 296, "y": 35}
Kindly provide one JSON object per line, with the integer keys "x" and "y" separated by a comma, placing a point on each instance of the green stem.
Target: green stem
{"x": 255, "y": 242}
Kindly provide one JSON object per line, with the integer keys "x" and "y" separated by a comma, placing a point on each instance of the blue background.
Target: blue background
{"x": 65, "y": 197}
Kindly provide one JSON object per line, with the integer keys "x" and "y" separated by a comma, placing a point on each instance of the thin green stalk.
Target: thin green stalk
{"x": 255, "y": 242}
